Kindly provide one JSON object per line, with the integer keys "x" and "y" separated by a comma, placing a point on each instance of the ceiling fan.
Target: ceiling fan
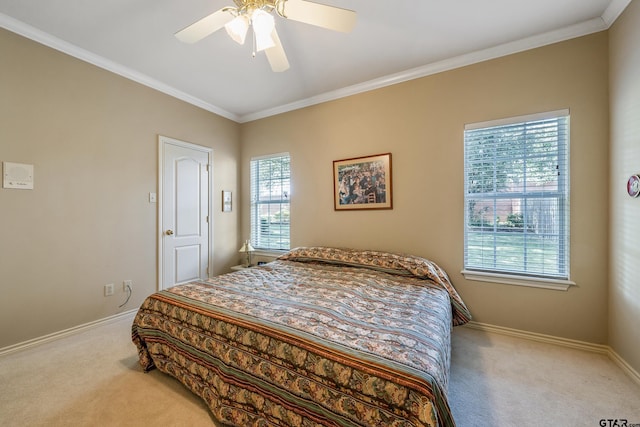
{"x": 259, "y": 15}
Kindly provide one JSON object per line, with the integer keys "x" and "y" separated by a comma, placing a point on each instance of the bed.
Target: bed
{"x": 318, "y": 337}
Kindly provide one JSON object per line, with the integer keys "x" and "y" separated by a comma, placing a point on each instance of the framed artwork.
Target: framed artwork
{"x": 226, "y": 201}
{"x": 362, "y": 183}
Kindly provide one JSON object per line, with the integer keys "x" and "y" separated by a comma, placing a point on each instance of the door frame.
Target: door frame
{"x": 162, "y": 141}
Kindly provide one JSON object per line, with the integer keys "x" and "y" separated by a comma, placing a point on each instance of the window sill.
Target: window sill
{"x": 508, "y": 279}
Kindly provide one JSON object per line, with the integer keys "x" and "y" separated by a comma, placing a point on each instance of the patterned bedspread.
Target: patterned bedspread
{"x": 319, "y": 337}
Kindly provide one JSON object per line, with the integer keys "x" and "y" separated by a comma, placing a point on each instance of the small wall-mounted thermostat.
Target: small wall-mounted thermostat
{"x": 17, "y": 175}
{"x": 633, "y": 185}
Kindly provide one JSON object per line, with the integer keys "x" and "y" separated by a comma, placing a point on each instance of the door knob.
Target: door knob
{"x": 169, "y": 232}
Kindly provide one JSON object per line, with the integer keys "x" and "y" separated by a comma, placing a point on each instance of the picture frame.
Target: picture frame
{"x": 362, "y": 183}
{"x": 227, "y": 201}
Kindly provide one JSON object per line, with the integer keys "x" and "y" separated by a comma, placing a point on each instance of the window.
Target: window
{"x": 270, "y": 190}
{"x": 517, "y": 200}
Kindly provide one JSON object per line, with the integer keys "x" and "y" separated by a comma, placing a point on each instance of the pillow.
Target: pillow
{"x": 404, "y": 265}
{"x": 398, "y": 264}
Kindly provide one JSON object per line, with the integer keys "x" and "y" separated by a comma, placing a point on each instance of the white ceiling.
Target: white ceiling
{"x": 393, "y": 41}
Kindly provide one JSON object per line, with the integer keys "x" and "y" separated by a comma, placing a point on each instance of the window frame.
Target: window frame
{"x": 524, "y": 278}
{"x": 254, "y": 205}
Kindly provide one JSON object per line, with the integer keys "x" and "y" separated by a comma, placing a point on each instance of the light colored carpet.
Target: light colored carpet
{"x": 93, "y": 379}
{"x": 498, "y": 380}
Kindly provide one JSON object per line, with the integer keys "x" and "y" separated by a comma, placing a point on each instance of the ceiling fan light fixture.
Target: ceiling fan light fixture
{"x": 237, "y": 28}
{"x": 263, "y": 26}
{"x": 258, "y": 14}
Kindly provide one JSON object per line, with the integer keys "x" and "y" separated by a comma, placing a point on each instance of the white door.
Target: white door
{"x": 184, "y": 211}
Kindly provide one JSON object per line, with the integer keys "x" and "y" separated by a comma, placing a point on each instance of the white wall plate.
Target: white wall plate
{"x": 17, "y": 175}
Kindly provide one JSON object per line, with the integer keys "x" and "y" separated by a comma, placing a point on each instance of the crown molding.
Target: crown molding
{"x": 614, "y": 10}
{"x": 582, "y": 29}
{"x": 46, "y": 39}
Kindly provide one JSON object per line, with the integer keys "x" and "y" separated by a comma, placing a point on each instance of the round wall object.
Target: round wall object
{"x": 633, "y": 185}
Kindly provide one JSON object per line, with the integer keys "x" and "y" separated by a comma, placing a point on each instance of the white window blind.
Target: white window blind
{"x": 517, "y": 196}
{"x": 270, "y": 212}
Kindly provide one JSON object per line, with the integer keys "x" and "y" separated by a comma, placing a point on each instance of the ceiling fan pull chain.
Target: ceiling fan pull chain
{"x": 253, "y": 38}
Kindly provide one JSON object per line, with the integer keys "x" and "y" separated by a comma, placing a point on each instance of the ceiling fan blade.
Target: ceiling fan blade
{"x": 321, "y": 15}
{"x": 207, "y": 25}
{"x": 276, "y": 56}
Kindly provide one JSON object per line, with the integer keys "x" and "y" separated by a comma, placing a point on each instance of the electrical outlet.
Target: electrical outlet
{"x": 108, "y": 290}
{"x": 127, "y": 283}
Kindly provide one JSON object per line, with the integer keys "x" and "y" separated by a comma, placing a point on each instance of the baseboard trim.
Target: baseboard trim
{"x": 65, "y": 333}
{"x": 533, "y": 336}
{"x": 632, "y": 373}
{"x": 564, "y": 342}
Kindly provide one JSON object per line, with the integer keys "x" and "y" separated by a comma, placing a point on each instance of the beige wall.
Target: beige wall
{"x": 92, "y": 137}
{"x": 421, "y": 123}
{"x": 624, "y": 293}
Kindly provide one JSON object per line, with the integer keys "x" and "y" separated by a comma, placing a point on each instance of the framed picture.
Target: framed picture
{"x": 362, "y": 183}
{"x": 226, "y": 201}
